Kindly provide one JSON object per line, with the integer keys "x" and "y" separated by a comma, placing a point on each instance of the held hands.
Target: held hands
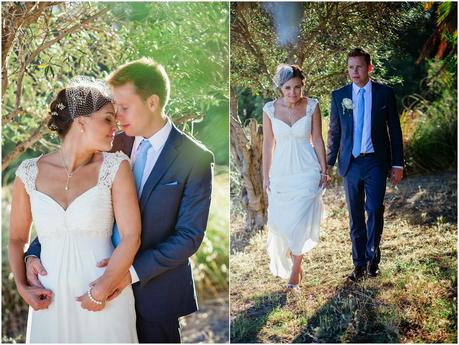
{"x": 324, "y": 179}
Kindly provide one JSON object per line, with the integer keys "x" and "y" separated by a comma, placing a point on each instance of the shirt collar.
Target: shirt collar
{"x": 366, "y": 87}
{"x": 158, "y": 139}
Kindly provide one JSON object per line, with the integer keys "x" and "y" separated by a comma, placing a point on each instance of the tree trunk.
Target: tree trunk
{"x": 246, "y": 150}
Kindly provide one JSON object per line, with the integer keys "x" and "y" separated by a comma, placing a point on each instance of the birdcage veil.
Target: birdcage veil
{"x": 283, "y": 74}
{"x": 86, "y": 95}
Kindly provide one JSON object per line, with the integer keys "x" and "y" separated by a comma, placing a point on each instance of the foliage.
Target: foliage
{"x": 49, "y": 43}
{"x": 211, "y": 262}
{"x": 191, "y": 40}
{"x": 327, "y": 32}
{"x": 432, "y": 133}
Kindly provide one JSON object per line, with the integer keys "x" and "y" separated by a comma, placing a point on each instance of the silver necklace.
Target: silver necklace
{"x": 290, "y": 113}
{"x": 71, "y": 173}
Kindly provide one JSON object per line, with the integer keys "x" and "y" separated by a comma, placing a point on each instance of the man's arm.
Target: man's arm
{"x": 34, "y": 249}
{"x": 395, "y": 132}
{"x": 334, "y": 133}
{"x": 189, "y": 230}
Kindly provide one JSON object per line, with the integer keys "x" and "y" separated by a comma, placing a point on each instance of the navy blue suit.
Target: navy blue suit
{"x": 364, "y": 177}
{"x": 174, "y": 218}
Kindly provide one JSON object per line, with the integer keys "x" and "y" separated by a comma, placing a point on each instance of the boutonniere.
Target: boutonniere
{"x": 347, "y": 104}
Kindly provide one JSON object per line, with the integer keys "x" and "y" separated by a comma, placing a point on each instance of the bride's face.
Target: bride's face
{"x": 100, "y": 128}
{"x": 292, "y": 90}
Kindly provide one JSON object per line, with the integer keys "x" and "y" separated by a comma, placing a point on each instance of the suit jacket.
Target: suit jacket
{"x": 174, "y": 208}
{"x": 386, "y": 134}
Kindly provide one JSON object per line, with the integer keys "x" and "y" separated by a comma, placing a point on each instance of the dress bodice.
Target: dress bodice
{"x": 90, "y": 213}
{"x": 293, "y": 153}
{"x": 300, "y": 130}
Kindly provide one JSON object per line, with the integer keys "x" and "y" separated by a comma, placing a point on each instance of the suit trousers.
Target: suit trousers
{"x": 365, "y": 186}
{"x": 164, "y": 331}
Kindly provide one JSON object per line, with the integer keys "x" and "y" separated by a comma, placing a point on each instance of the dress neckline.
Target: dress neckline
{"x": 298, "y": 120}
{"x": 75, "y": 198}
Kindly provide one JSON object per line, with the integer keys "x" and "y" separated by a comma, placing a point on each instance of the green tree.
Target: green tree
{"x": 326, "y": 33}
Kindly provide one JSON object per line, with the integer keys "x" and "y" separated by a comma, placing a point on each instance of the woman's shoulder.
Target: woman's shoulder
{"x": 114, "y": 156}
{"x": 313, "y": 101}
{"x": 268, "y": 108}
{"x": 27, "y": 165}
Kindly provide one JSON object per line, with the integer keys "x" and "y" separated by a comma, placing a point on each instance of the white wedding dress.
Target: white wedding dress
{"x": 72, "y": 241}
{"x": 295, "y": 199}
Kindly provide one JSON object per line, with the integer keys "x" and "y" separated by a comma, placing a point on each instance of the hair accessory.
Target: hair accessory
{"x": 283, "y": 74}
{"x": 86, "y": 95}
{"x": 60, "y": 106}
{"x": 54, "y": 113}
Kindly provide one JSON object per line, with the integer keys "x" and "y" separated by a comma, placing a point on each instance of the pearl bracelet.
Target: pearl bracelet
{"x": 92, "y": 298}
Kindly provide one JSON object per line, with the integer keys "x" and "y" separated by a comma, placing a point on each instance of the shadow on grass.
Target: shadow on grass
{"x": 425, "y": 199}
{"x": 353, "y": 315}
{"x": 246, "y": 326}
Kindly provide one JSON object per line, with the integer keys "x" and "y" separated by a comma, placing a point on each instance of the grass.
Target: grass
{"x": 413, "y": 300}
{"x": 210, "y": 263}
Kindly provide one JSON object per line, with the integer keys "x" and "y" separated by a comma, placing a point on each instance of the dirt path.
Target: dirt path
{"x": 209, "y": 324}
{"x": 413, "y": 300}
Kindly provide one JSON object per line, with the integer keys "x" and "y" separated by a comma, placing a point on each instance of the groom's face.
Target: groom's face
{"x": 358, "y": 70}
{"x": 132, "y": 112}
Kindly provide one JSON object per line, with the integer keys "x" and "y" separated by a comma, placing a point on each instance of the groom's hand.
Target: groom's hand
{"x": 126, "y": 281}
{"x": 396, "y": 175}
{"x": 33, "y": 269}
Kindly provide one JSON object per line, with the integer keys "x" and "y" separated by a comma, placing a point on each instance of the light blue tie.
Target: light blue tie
{"x": 138, "y": 169}
{"x": 356, "y": 149}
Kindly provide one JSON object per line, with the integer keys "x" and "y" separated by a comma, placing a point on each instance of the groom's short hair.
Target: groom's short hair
{"x": 147, "y": 76}
{"x": 360, "y": 52}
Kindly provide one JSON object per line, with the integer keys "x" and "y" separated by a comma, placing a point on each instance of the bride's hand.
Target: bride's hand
{"x": 38, "y": 298}
{"x": 324, "y": 180}
{"x": 266, "y": 187}
{"x": 92, "y": 305}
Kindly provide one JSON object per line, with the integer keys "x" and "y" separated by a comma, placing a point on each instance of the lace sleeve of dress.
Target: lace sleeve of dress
{"x": 268, "y": 108}
{"x": 27, "y": 172}
{"x": 313, "y": 102}
{"x": 110, "y": 167}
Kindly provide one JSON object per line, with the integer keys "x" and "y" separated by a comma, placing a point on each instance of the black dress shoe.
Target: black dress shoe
{"x": 372, "y": 269}
{"x": 357, "y": 273}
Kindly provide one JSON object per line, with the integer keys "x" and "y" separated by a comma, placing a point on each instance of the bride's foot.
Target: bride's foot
{"x": 295, "y": 280}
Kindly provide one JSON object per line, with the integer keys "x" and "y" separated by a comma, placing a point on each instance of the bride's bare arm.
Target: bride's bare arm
{"x": 19, "y": 232}
{"x": 127, "y": 215}
{"x": 318, "y": 142}
{"x": 268, "y": 147}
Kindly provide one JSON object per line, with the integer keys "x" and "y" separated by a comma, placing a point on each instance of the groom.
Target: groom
{"x": 365, "y": 132}
{"x": 174, "y": 199}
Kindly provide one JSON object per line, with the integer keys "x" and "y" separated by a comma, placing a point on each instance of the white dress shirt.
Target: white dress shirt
{"x": 157, "y": 142}
{"x": 367, "y": 144}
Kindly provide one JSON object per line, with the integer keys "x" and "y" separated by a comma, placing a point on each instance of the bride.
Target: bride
{"x": 294, "y": 170}
{"x": 72, "y": 196}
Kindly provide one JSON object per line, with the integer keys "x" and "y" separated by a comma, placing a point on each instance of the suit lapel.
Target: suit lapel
{"x": 166, "y": 158}
{"x": 348, "y": 114}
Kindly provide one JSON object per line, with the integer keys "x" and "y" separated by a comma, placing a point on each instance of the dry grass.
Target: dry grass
{"x": 413, "y": 300}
